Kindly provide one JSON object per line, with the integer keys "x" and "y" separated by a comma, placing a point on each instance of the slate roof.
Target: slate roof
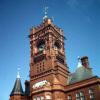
{"x": 17, "y": 89}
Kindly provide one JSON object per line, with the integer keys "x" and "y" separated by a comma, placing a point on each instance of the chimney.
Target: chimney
{"x": 27, "y": 87}
{"x": 85, "y": 62}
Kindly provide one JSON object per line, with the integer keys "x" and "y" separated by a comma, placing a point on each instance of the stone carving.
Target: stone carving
{"x": 40, "y": 84}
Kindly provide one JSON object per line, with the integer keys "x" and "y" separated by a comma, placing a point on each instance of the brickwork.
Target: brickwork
{"x": 49, "y": 71}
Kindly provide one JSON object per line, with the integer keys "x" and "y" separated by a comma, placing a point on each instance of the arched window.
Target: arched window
{"x": 69, "y": 97}
{"x": 91, "y": 93}
{"x": 57, "y": 45}
{"x": 41, "y": 45}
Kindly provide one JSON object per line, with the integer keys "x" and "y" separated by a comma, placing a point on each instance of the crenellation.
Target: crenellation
{"x": 50, "y": 78}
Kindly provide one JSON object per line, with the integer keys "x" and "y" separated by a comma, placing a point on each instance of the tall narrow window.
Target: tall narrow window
{"x": 82, "y": 96}
{"x": 91, "y": 93}
{"x": 69, "y": 97}
{"x": 37, "y": 69}
{"x": 77, "y": 96}
{"x": 43, "y": 66}
{"x": 42, "y": 98}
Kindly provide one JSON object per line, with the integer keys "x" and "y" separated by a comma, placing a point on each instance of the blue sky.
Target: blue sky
{"x": 80, "y": 20}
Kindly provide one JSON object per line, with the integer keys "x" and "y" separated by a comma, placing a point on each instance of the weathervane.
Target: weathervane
{"x": 46, "y": 13}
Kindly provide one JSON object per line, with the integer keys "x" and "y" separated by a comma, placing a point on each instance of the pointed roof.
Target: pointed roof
{"x": 17, "y": 89}
{"x": 81, "y": 73}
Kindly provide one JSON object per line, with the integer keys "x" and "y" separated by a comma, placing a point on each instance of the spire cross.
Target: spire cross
{"x": 18, "y": 72}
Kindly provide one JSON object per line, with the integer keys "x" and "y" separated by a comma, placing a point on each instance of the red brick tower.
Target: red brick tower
{"x": 50, "y": 78}
{"x": 47, "y": 60}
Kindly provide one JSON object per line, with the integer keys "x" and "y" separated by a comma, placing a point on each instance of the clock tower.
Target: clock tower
{"x": 50, "y": 78}
{"x": 47, "y": 57}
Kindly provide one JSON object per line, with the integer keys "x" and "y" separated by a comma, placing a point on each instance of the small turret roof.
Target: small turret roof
{"x": 17, "y": 89}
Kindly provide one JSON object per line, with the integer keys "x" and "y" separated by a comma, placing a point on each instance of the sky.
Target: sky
{"x": 80, "y": 20}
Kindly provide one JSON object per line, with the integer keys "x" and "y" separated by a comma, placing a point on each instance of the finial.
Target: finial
{"x": 78, "y": 58}
{"x": 18, "y": 74}
{"x": 79, "y": 62}
{"x": 46, "y": 13}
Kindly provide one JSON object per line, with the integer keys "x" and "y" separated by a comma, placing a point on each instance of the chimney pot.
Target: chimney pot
{"x": 27, "y": 87}
{"x": 85, "y": 62}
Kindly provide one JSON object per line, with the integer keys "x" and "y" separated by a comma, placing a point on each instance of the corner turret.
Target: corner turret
{"x": 17, "y": 91}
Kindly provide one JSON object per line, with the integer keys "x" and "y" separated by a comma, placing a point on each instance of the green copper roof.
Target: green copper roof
{"x": 81, "y": 73}
{"x": 17, "y": 89}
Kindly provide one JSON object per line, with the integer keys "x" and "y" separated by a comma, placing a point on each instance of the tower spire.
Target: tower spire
{"x": 17, "y": 89}
{"x": 18, "y": 73}
{"x": 45, "y": 13}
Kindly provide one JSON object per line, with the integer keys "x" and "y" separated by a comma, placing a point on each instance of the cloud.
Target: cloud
{"x": 79, "y": 3}
{"x": 72, "y": 3}
{"x": 81, "y": 7}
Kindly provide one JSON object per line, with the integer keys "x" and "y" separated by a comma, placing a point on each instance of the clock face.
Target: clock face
{"x": 41, "y": 45}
